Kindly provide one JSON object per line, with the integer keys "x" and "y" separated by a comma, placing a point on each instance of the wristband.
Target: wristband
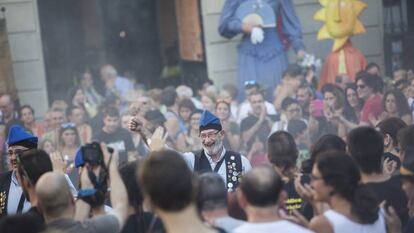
{"x": 86, "y": 193}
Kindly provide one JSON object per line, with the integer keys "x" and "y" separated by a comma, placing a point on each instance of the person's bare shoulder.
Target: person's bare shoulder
{"x": 320, "y": 224}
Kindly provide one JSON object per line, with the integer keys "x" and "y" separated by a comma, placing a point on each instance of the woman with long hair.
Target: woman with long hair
{"x": 185, "y": 108}
{"x": 395, "y": 104}
{"x": 336, "y": 180}
{"x": 335, "y": 106}
{"x": 27, "y": 116}
{"x": 232, "y": 136}
{"x": 192, "y": 138}
{"x": 68, "y": 144}
{"x": 353, "y": 101}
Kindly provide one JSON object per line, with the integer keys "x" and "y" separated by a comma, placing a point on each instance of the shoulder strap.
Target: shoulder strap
{"x": 21, "y": 204}
{"x": 233, "y": 170}
{"x": 4, "y": 191}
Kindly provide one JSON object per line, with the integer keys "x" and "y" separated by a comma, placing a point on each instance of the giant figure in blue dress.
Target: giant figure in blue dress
{"x": 261, "y": 52}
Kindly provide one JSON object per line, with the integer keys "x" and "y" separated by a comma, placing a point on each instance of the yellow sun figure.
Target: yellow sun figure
{"x": 341, "y": 20}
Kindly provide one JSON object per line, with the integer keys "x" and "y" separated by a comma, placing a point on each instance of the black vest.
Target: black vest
{"x": 5, "y": 179}
{"x": 233, "y": 164}
{"x": 5, "y": 182}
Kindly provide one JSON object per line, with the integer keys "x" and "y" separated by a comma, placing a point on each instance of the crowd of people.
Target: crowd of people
{"x": 335, "y": 159}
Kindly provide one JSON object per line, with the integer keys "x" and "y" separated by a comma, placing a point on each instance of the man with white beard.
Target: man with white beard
{"x": 214, "y": 157}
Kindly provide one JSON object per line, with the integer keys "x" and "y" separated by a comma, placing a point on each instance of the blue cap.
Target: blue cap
{"x": 19, "y": 136}
{"x": 79, "y": 162}
{"x": 209, "y": 121}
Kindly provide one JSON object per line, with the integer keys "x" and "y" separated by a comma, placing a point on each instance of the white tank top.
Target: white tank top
{"x": 342, "y": 224}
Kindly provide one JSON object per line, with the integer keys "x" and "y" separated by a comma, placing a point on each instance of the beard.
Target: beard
{"x": 214, "y": 148}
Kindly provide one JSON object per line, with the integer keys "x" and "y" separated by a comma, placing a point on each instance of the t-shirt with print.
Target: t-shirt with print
{"x": 120, "y": 140}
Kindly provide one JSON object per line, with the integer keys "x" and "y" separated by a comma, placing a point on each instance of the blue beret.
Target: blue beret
{"x": 209, "y": 121}
{"x": 19, "y": 136}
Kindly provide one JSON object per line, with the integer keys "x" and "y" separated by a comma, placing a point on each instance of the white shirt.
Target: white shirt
{"x": 281, "y": 226}
{"x": 228, "y": 223}
{"x": 15, "y": 192}
{"x": 342, "y": 224}
{"x": 189, "y": 157}
{"x": 246, "y": 108}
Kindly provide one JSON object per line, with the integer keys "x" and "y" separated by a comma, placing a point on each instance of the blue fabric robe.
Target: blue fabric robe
{"x": 264, "y": 62}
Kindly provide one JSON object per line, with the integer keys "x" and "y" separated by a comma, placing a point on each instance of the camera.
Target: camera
{"x": 92, "y": 154}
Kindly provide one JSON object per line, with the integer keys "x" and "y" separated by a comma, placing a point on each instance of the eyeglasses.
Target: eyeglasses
{"x": 68, "y": 125}
{"x": 211, "y": 135}
{"x": 16, "y": 152}
{"x": 361, "y": 86}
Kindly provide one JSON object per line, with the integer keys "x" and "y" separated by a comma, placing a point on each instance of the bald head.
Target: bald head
{"x": 261, "y": 187}
{"x": 53, "y": 194}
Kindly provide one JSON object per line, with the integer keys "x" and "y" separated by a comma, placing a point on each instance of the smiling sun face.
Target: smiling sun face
{"x": 341, "y": 20}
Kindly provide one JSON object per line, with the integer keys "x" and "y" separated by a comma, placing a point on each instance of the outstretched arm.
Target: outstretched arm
{"x": 119, "y": 196}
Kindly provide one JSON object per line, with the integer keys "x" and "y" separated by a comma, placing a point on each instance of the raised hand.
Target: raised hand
{"x": 157, "y": 140}
{"x": 135, "y": 124}
{"x": 58, "y": 163}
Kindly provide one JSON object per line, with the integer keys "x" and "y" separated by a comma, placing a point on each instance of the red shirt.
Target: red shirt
{"x": 372, "y": 107}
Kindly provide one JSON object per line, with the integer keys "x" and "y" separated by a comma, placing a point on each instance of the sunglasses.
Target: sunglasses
{"x": 16, "y": 152}
{"x": 68, "y": 125}
{"x": 250, "y": 83}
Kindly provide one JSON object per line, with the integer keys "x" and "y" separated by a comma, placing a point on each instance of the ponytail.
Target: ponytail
{"x": 364, "y": 205}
